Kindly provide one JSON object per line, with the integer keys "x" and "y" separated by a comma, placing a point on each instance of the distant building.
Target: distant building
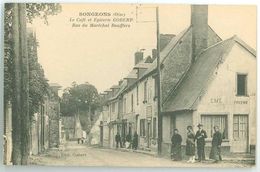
{"x": 72, "y": 127}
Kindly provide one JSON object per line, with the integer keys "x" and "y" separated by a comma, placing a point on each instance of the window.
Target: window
{"x": 155, "y": 88}
{"x": 145, "y": 91}
{"x": 124, "y": 105}
{"x": 113, "y": 107}
{"x": 154, "y": 128}
{"x": 132, "y": 102}
{"x": 142, "y": 127}
{"x": 241, "y": 84}
{"x": 209, "y": 121}
{"x": 149, "y": 95}
{"x": 137, "y": 95}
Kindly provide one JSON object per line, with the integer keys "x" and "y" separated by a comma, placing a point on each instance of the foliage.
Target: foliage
{"x": 8, "y": 61}
{"x": 79, "y": 98}
{"x": 41, "y": 10}
{"x": 38, "y": 85}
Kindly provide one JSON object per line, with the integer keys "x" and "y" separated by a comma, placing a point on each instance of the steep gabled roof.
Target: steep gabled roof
{"x": 142, "y": 65}
{"x": 198, "y": 77}
{"x": 245, "y": 45}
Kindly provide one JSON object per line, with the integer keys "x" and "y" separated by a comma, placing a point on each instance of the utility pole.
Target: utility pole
{"x": 16, "y": 102}
{"x": 158, "y": 79}
{"x": 25, "y": 118}
{"x": 158, "y": 84}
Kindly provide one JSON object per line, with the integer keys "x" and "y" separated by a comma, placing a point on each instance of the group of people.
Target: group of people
{"x": 199, "y": 138}
{"x": 128, "y": 142}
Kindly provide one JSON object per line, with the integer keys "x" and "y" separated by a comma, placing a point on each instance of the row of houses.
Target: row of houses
{"x": 45, "y": 127}
{"x": 204, "y": 79}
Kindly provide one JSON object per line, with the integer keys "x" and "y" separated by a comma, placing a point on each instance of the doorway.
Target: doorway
{"x": 240, "y": 133}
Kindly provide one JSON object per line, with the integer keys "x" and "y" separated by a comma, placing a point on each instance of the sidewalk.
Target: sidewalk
{"x": 231, "y": 157}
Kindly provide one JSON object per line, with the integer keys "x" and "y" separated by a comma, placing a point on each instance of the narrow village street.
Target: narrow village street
{"x": 82, "y": 155}
{"x": 75, "y": 91}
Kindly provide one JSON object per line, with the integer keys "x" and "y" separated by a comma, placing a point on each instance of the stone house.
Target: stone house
{"x": 194, "y": 64}
{"x": 191, "y": 94}
{"x": 46, "y": 126}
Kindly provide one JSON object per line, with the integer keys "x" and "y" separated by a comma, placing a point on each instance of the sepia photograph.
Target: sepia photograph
{"x": 130, "y": 85}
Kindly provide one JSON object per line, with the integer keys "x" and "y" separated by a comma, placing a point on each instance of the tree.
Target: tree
{"x": 83, "y": 100}
{"x": 16, "y": 86}
{"x": 38, "y": 84}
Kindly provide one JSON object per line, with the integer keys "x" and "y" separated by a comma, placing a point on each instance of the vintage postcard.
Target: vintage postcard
{"x": 130, "y": 85}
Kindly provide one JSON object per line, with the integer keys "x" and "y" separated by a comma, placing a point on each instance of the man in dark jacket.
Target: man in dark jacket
{"x": 200, "y": 137}
{"x": 215, "y": 152}
{"x": 118, "y": 140}
{"x": 135, "y": 141}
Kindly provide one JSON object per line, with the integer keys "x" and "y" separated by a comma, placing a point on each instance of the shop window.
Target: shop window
{"x": 142, "y": 127}
{"x": 209, "y": 121}
{"x": 241, "y": 84}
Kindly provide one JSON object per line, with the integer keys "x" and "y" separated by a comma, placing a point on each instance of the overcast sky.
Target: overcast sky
{"x": 103, "y": 56}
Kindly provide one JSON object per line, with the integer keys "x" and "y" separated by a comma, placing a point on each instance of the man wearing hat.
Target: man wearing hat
{"x": 200, "y": 137}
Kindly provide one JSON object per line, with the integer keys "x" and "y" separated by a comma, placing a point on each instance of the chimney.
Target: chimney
{"x": 120, "y": 82}
{"x": 138, "y": 57}
{"x": 199, "y": 23}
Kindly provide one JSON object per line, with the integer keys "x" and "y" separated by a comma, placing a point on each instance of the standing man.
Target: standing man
{"x": 215, "y": 152}
{"x": 200, "y": 137}
{"x": 135, "y": 141}
{"x": 118, "y": 140}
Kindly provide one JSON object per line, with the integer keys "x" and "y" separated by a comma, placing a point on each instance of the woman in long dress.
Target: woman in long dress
{"x": 190, "y": 144}
{"x": 215, "y": 152}
{"x": 176, "y": 139}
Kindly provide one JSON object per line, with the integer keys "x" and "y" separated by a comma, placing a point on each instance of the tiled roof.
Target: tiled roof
{"x": 197, "y": 78}
{"x": 142, "y": 65}
{"x": 108, "y": 90}
{"x": 164, "y": 53}
{"x": 121, "y": 89}
{"x": 132, "y": 74}
{"x": 115, "y": 87}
